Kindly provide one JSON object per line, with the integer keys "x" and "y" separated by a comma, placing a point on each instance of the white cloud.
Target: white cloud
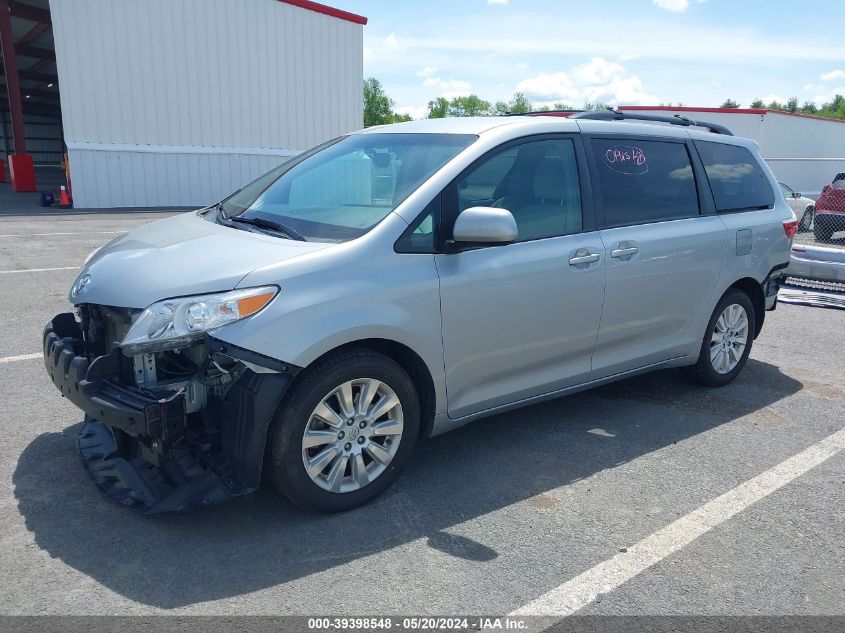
{"x": 416, "y": 112}
{"x": 390, "y": 46}
{"x": 684, "y": 42}
{"x": 826, "y": 97}
{"x": 428, "y": 71}
{"x": 833, "y": 75}
{"x": 676, "y": 6}
{"x": 596, "y": 80}
{"x": 497, "y": 1}
{"x": 773, "y": 97}
{"x": 449, "y": 87}
{"x": 597, "y": 70}
{"x": 391, "y": 41}
{"x": 546, "y": 87}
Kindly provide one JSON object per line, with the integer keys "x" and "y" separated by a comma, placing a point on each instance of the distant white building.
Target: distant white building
{"x": 805, "y": 152}
{"x": 169, "y": 103}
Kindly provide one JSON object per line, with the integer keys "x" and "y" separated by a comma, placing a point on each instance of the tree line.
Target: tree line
{"x": 834, "y": 109}
{"x": 379, "y": 108}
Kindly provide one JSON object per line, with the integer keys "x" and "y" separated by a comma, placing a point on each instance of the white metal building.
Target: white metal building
{"x": 805, "y": 152}
{"x": 178, "y": 103}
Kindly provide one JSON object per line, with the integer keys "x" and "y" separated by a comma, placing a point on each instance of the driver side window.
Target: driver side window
{"x": 536, "y": 181}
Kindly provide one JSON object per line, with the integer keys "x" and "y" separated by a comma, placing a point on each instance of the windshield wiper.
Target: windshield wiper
{"x": 273, "y": 225}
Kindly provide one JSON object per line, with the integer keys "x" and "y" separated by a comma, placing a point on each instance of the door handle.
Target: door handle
{"x": 624, "y": 252}
{"x": 584, "y": 259}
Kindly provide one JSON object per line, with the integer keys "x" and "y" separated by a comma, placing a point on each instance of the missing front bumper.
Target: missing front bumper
{"x": 143, "y": 450}
{"x": 181, "y": 482}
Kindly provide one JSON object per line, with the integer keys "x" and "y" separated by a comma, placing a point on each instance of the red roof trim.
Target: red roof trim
{"x": 327, "y": 10}
{"x": 688, "y": 109}
{"x": 731, "y": 111}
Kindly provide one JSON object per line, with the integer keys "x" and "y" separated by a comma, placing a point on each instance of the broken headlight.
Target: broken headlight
{"x": 175, "y": 323}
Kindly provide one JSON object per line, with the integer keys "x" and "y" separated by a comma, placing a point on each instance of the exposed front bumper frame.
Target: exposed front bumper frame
{"x": 136, "y": 445}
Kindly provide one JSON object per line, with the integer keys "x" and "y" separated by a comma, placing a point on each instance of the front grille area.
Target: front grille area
{"x": 104, "y": 327}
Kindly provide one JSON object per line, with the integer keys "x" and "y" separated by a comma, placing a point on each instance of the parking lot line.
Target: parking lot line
{"x": 62, "y": 233}
{"x": 38, "y": 270}
{"x": 12, "y": 359}
{"x": 610, "y": 574}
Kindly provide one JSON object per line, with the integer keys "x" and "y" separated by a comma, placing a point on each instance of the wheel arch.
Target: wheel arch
{"x": 754, "y": 290}
{"x": 411, "y": 362}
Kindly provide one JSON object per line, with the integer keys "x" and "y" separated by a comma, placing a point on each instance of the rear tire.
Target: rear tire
{"x": 821, "y": 234}
{"x": 357, "y": 411}
{"x": 727, "y": 341}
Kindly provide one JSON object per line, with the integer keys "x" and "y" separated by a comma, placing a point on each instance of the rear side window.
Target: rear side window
{"x": 644, "y": 181}
{"x": 736, "y": 179}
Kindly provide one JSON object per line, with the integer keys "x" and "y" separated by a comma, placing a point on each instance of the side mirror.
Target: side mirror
{"x": 795, "y": 194}
{"x": 485, "y": 225}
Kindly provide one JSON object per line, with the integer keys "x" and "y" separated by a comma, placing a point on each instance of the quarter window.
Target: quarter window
{"x": 736, "y": 178}
{"x": 536, "y": 181}
{"x": 421, "y": 235}
{"x": 644, "y": 181}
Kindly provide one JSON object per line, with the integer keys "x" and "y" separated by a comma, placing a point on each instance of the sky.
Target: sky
{"x": 634, "y": 52}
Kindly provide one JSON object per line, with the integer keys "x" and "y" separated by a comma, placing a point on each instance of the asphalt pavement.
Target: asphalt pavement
{"x": 523, "y": 507}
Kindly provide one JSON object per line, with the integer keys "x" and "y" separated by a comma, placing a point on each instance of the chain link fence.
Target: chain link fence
{"x": 822, "y": 222}
{"x": 816, "y": 273}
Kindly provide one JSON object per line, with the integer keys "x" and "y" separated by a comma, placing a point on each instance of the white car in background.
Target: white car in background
{"x": 802, "y": 206}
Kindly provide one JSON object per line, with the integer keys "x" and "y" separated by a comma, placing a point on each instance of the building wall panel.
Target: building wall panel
{"x": 803, "y": 152}
{"x": 128, "y": 178}
{"x": 221, "y": 88}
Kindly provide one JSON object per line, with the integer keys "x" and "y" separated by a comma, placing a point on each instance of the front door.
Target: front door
{"x": 521, "y": 320}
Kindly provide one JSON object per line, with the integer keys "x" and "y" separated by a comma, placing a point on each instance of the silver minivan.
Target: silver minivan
{"x": 402, "y": 281}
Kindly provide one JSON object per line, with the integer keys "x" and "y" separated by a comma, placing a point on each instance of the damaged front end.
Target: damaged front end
{"x": 168, "y": 429}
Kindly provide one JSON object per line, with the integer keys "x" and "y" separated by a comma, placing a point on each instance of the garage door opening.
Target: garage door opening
{"x": 31, "y": 137}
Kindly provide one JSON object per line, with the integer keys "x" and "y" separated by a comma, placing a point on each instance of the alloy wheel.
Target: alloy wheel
{"x": 352, "y": 435}
{"x": 729, "y": 339}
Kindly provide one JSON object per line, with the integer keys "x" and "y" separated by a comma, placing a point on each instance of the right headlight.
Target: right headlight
{"x": 174, "y": 323}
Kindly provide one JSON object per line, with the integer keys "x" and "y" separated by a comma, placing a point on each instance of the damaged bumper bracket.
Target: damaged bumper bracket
{"x": 133, "y": 444}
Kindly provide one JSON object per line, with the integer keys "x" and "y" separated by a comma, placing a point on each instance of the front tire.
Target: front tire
{"x": 727, "y": 341}
{"x": 344, "y": 432}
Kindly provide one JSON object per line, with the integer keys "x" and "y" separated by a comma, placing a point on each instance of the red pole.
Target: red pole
{"x": 21, "y": 167}
{"x": 13, "y": 85}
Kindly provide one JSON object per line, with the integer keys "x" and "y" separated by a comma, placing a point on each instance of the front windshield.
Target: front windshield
{"x": 342, "y": 190}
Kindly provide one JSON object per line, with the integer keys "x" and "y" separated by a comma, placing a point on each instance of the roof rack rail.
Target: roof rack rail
{"x": 617, "y": 115}
{"x": 541, "y": 112}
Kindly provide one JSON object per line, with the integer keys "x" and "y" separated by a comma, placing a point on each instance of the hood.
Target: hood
{"x": 181, "y": 255}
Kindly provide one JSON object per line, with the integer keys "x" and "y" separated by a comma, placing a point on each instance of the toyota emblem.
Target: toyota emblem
{"x": 81, "y": 284}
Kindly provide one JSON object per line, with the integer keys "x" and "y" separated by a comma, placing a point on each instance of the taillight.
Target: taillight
{"x": 790, "y": 227}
